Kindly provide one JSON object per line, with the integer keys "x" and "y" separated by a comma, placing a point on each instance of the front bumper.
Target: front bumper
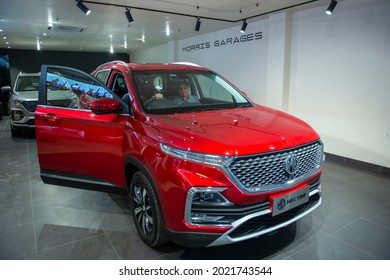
{"x": 20, "y": 117}
{"x": 251, "y": 225}
{"x": 261, "y": 223}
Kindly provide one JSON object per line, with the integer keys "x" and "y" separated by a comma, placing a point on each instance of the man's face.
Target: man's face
{"x": 183, "y": 90}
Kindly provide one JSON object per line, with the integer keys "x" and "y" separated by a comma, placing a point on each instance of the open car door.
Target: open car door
{"x": 79, "y": 129}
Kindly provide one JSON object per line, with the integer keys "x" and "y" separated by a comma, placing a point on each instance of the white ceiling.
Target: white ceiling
{"x": 26, "y": 22}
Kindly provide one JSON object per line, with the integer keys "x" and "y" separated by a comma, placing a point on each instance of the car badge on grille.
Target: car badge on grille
{"x": 291, "y": 164}
{"x": 281, "y": 204}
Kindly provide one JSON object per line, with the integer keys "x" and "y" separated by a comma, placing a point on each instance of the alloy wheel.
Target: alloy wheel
{"x": 143, "y": 209}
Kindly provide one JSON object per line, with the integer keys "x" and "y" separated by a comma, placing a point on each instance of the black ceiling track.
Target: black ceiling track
{"x": 197, "y": 16}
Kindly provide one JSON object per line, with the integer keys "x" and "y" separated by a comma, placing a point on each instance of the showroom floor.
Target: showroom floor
{"x": 39, "y": 221}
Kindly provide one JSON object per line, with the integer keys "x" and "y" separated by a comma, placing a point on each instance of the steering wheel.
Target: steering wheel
{"x": 153, "y": 98}
{"x": 148, "y": 102}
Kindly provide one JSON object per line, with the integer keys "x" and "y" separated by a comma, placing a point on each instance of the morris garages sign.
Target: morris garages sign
{"x": 224, "y": 42}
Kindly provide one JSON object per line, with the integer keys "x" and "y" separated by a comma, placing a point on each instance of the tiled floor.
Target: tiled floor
{"x": 39, "y": 221}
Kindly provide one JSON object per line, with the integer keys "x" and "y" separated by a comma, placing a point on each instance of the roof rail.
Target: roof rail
{"x": 187, "y": 63}
{"x": 114, "y": 62}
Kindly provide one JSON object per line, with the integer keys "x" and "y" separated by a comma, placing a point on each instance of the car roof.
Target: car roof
{"x": 152, "y": 66}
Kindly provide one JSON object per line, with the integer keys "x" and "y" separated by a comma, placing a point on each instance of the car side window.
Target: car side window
{"x": 119, "y": 85}
{"x": 68, "y": 88}
{"x": 103, "y": 76}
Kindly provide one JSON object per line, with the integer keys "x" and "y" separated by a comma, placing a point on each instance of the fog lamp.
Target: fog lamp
{"x": 208, "y": 197}
{"x": 203, "y": 206}
{"x": 17, "y": 115}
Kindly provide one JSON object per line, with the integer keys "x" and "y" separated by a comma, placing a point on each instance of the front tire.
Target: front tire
{"x": 15, "y": 132}
{"x": 146, "y": 211}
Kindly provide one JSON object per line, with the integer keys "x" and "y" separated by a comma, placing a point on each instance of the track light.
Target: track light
{"x": 129, "y": 16}
{"x": 197, "y": 25}
{"x": 83, "y": 7}
{"x": 331, "y": 7}
{"x": 244, "y": 25}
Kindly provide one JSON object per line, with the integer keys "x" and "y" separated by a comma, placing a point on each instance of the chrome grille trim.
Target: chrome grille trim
{"x": 266, "y": 172}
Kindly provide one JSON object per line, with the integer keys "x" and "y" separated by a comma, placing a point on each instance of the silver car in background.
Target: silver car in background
{"x": 24, "y": 100}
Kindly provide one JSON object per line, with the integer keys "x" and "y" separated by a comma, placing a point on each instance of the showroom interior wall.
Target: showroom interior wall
{"x": 340, "y": 77}
{"x": 241, "y": 60}
{"x": 331, "y": 71}
{"x": 156, "y": 54}
{"x": 30, "y": 61}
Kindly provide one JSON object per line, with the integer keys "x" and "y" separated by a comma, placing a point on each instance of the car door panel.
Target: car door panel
{"x": 75, "y": 142}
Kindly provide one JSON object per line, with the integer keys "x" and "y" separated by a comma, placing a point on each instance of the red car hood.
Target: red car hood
{"x": 240, "y": 131}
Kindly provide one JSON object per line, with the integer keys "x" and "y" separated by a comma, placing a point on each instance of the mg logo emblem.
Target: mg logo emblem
{"x": 291, "y": 164}
{"x": 281, "y": 204}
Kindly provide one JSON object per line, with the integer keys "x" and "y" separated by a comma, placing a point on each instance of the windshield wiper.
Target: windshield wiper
{"x": 244, "y": 105}
{"x": 206, "y": 109}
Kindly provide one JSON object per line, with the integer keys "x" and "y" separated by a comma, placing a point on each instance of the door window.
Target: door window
{"x": 119, "y": 85}
{"x": 103, "y": 76}
{"x": 66, "y": 87}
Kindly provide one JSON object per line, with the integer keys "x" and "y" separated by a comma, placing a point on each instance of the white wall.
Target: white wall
{"x": 243, "y": 62}
{"x": 158, "y": 54}
{"x": 331, "y": 71}
{"x": 340, "y": 77}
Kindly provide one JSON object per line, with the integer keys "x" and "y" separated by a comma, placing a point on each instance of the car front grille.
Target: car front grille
{"x": 59, "y": 103}
{"x": 267, "y": 171}
{"x": 30, "y": 106}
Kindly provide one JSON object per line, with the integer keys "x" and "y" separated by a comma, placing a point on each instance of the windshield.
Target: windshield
{"x": 169, "y": 92}
{"x": 27, "y": 83}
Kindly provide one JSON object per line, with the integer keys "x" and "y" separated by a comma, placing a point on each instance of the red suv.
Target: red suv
{"x": 202, "y": 164}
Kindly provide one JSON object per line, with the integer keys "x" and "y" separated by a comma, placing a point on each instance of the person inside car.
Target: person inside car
{"x": 152, "y": 95}
{"x": 183, "y": 94}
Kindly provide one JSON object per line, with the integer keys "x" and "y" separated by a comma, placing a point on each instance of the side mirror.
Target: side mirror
{"x": 244, "y": 93}
{"x": 6, "y": 90}
{"x": 105, "y": 106}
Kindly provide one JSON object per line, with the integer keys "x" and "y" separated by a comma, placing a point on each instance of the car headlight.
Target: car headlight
{"x": 197, "y": 157}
